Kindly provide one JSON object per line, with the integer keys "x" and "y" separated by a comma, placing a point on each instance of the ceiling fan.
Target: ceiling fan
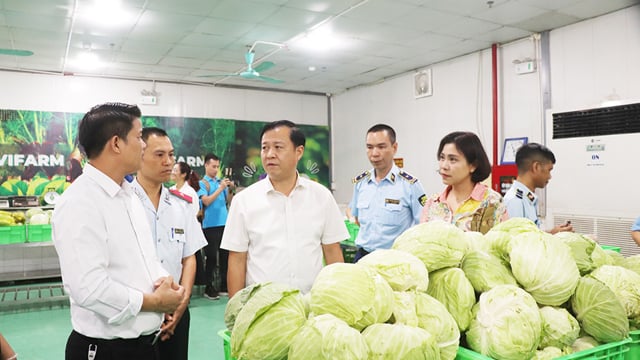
{"x": 254, "y": 73}
{"x": 15, "y": 52}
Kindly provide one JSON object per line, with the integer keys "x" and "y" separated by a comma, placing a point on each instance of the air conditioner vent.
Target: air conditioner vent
{"x": 622, "y": 119}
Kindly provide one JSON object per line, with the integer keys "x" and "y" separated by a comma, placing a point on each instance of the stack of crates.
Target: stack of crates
{"x": 618, "y": 350}
{"x": 13, "y": 234}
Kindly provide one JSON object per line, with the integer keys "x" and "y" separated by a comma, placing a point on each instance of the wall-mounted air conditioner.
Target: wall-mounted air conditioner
{"x": 596, "y": 179}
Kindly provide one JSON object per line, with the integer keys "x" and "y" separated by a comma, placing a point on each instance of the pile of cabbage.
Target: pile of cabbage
{"x": 521, "y": 293}
{"x": 376, "y": 309}
{"x": 513, "y": 293}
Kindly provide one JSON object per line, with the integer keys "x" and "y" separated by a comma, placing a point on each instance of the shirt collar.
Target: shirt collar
{"x": 268, "y": 186}
{"x": 104, "y": 181}
{"x": 528, "y": 194}
{"x": 391, "y": 176}
{"x": 477, "y": 193}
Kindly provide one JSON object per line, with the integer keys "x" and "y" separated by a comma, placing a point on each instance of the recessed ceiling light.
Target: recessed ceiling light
{"x": 312, "y": 68}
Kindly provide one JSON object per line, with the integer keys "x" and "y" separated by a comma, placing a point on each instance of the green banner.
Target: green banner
{"x": 38, "y": 150}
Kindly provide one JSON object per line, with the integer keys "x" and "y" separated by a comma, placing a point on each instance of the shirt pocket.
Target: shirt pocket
{"x": 392, "y": 214}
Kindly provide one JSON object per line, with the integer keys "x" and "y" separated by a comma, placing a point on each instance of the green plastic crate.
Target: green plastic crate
{"x": 226, "y": 343}
{"x": 634, "y": 346}
{"x": 612, "y": 351}
{"x": 348, "y": 252}
{"x": 353, "y": 232}
{"x": 39, "y": 233}
{"x": 14, "y": 234}
{"x": 612, "y": 248}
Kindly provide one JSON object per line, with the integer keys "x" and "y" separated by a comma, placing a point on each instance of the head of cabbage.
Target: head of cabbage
{"x": 402, "y": 270}
{"x": 353, "y": 293}
{"x": 544, "y": 267}
{"x": 452, "y": 288}
{"x": 624, "y": 283}
{"x": 506, "y": 325}
{"x": 391, "y": 342}
{"x": 327, "y": 337}
{"x": 437, "y": 243}
{"x": 267, "y": 322}
{"x": 559, "y": 328}
{"x": 485, "y": 270}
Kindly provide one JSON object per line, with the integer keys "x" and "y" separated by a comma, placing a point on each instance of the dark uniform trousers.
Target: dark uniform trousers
{"x": 214, "y": 276}
{"x": 80, "y": 347}
{"x": 177, "y": 346}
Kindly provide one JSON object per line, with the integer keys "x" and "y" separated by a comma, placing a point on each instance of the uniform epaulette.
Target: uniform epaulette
{"x": 519, "y": 193}
{"x": 407, "y": 177}
{"x": 180, "y": 195}
{"x": 361, "y": 176}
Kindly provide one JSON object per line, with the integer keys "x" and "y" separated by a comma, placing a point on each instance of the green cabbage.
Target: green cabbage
{"x": 434, "y": 317}
{"x": 402, "y": 270}
{"x": 613, "y": 258}
{"x": 599, "y": 311}
{"x": 353, "y": 293}
{"x": 507, "y": 324}
{"x": 477, "y": 241}
{"x": 548, "y": 353}
{"x": 392, "y": 342}
{"x": 327, "y": 337}
{"x": 437, "y": 243}
{"x": 584, "y": 343}
{"x": 485, "y": 270}
{"x": 236, "y": 303}
{"x": 632, "y": 263}
{"x": 544, "y": 267}
{"x": 624, "y": 283}
{"x": 404, "y": 308}
{"x": 499, "y": 237}
{"x": 582, "y": 248}
{"x": 266, "y": 324}
{"x": 452, "y": 288}
{"x": 559, "y": 327}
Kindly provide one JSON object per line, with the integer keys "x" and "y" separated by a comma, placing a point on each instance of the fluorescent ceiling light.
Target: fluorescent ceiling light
{"x": 108, "y": 13}
{"x": 87, "y": 61}
{"x": 321, "y": 40}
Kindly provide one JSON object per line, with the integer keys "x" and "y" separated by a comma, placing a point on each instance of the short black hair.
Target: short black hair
{"x": 531, "y": 152}
{"x": 295, "y": 134}
{"x": 211, "y": 156}
{"x": 102, "y": 123}
{"x": 470, "y": 146}
{"x": 384, "y": 127}
{"x": 148, "y": 131}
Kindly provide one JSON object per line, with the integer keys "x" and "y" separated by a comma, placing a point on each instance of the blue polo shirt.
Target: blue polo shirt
{"x": 385, "y": 209}
{"x": 521, "y": 202}
{"x": 216, "y": 213}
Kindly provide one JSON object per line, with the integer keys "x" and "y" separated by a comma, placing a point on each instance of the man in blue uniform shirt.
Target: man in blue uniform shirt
{"x": 535, "y": 163}
{"x": 176, "y": 233}
{"x": 386, "y": 200}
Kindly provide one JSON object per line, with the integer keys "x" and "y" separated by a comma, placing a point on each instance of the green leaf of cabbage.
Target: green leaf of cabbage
{"x": 548, "y": 353}
{"x": 624, "y": 283}
{"x": 485, "y": 271}
{"x": 544, "y": 267}
{"x": 327, "y": 337}
{"x": 499, "y": 237}
{"x": 559, "y": 327}
{"x": 437, "y": 243}
{"x": 402, "y": 270}
{"x": 584, "y": 343}
{"x": 632, "y": 263}
{"x": 404, "y": 308}
{"x": 507, "y": 324}
{"x": 267, "y": 323}
{"x": 353, "y": 293}
{"x": 392, "y": 342}
{"x": 236, "y": 303}
{"x": 599, "y": 311}
{"x": 582, "y": 248}
{"x": 452, "y": 288}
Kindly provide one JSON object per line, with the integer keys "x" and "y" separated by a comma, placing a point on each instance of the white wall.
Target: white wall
{"x": 588, "y": 61}
{"x": 78, "y": 94}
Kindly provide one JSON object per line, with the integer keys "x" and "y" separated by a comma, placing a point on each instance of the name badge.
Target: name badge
{"x": 392, "y": 201}
{"x": 178, "y": 231}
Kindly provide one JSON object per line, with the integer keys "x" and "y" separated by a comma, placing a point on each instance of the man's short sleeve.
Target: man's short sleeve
{"x": 636, "y": 225}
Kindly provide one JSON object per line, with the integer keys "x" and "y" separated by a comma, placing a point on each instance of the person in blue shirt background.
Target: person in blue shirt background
{"x": 635, "y": 231}
{"x": 386, "y": 200}
{"x": 535, "y": 163}
{"x": 214, "y": 196}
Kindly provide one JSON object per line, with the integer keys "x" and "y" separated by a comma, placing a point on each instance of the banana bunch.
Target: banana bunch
{"x": 8, "y": 218}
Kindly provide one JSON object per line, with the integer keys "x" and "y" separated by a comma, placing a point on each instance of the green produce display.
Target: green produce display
{"x": 327, "y": 337}
{"x": 400, "y": 269}
{"x": 391, "y": 342}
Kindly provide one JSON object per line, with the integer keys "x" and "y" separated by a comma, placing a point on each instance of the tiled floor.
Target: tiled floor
{"x": 42, "y": 334}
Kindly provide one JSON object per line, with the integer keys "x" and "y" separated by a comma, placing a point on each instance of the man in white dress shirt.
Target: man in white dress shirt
{"x": 176, "y": 232}
{"x": 280, "y": 228}
{"x": 118, "y": 289}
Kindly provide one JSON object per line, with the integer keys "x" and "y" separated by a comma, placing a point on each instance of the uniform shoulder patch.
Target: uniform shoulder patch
{"x": 530, "y": 196}
{"x": 407, "y": 177}
{"x": 360, "y": 177}
{"x": 180, "y": 195}
{"x": 422, "y": 199}
{"x": 519, "y": 193}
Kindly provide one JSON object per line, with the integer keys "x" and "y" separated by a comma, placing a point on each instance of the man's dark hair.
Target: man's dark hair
{"x": 296, "y": 136}
{"x": 148, "y": 131}
{"x": 384, "y": 127}
{"x": 470, "y": 146}
{"x": 529, "y": 153}
{"x": 102, "y": 123}
{"x": 210, "y": 156}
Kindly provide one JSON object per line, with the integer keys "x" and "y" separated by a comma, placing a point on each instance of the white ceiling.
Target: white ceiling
{"x": 181, "y": 40}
